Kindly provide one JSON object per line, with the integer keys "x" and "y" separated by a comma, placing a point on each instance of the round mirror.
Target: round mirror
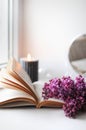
{"x": 77, "y": 54}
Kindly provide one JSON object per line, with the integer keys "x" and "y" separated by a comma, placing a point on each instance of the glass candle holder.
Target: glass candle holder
{"x": 31, "y": 67}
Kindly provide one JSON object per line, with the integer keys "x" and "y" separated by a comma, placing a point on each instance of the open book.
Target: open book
{"x": 17, "y": 89}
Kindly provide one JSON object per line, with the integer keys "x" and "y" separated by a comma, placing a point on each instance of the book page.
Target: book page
{"x": 38, "y": 88}
{"x": 9, "y": 79}
{"x": 14, "y": 95}
{"x": 14, "y": 66}
{"x": 16, "y": 69}
{"x": 5, "y": 75}
{"x": 17, "y": 104}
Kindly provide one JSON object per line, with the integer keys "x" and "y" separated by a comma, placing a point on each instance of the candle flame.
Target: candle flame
{"x": 29, "y": 57}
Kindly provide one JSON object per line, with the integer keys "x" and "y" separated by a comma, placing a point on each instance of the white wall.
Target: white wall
{"x": 50, "y": 26}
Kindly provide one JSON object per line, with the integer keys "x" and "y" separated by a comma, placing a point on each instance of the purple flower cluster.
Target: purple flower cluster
{"x": 72, "y": 92}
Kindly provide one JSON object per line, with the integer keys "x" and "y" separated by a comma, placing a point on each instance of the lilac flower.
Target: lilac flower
{"x": 50, "y": 89}
{"x": 73, "y": 93}
{"x": 67, "y": 88}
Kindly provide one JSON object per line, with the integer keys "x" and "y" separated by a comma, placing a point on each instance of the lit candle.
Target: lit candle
{"x": 30, "y": 65}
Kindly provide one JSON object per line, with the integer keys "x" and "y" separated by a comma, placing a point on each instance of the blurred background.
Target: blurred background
{"x": 44, "y": 28}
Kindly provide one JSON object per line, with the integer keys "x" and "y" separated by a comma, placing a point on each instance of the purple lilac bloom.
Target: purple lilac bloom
{"x": 50, "y": 90}
{"x": 72, "y": 92}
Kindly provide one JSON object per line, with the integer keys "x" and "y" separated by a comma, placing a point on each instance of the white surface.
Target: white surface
{"x": 39, "y": 119}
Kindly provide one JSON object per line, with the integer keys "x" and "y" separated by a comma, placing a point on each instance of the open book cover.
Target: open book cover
{"x": 17, "y": 89}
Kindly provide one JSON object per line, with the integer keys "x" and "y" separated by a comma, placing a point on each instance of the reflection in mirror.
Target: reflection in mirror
{"x": 77, "y": 54}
